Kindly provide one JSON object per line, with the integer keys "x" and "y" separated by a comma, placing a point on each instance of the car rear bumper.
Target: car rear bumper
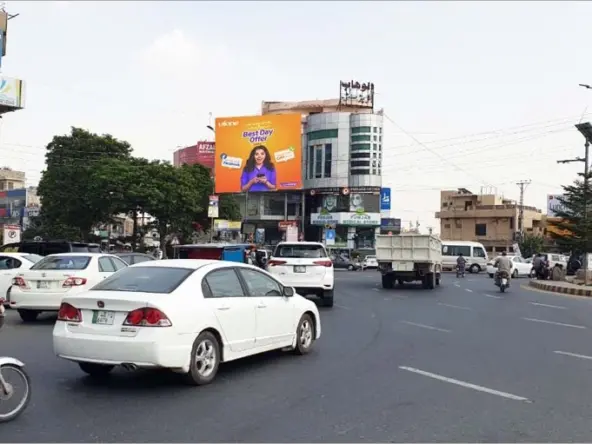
{"x": 116, "y": 350}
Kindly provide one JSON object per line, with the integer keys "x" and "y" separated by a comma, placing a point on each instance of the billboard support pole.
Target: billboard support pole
{"x": 303, "y": 212}
{"x": 285, "y": 206}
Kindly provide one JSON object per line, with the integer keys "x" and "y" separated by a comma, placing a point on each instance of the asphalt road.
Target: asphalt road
{"x": 461, "y": 363}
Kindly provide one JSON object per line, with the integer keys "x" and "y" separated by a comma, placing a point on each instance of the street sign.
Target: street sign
{"x": 213, "y": 208}
{"x": 385, "y": 199}
{"x": 12, "y": 234}
{"x": 329, "y": 237}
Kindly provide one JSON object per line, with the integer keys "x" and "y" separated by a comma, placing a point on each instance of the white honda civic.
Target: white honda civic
{"x": 187, "y": 315}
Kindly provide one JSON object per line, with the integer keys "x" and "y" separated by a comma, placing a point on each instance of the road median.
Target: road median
{"x": 561, "y": 288}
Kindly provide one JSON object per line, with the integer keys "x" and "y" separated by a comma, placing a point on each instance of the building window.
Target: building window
{"x": 363, "y": 138}
{"x": 360, "y": 156}
{"x": 323, "y": 134}
{"x": 360, "y": 129}
{"x": 328, "y": 159}
{"x": 360, "y": 163}
{"x": 480, "y": 229}
{"x": 10, "y": 185}
{"x": 360, "y": 172}
{"x": 360, "y": 147}
{"x": 273, "y": 204}
{"x": 311, "y": 151}
{"x": 318, "y": 162}
{"x": 380, "y": 138}
{"x": 380, "y": 130}
{"x": 374, "y": 129}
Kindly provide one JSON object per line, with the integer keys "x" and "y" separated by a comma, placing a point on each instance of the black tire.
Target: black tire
{"x": 350, "y": 267}
{"x": 474, "y": 269}
{"x": 95, "y": 370}
{"x": 25, "y": 402}
{"x": 195, "y": 376}
{"x": 327, "y": 298}
{"x": 515, "y": 273}
{"x": 305, "y": 337}
{"x": 28, "y": 315}
{"x": 401, "y": 282}
{"x": 388, "y": 281}
{"x": 491, "y": 275}
{"x": 502, "y": 288}
{"x": 431, "y": 281}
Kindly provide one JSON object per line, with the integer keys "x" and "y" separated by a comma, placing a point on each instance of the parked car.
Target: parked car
{"x": 135, "y": 258}
{"x": 10, "y": 265}
{"x": 188, "y": 315}
{"x": 520, "y": 267}
{"x": 42, "y": 287}
{"x": 345, "y": 263}
{"x": 370, "y": 262}
{"x": 45, "y": 248}
{"x": 306, "y": 267}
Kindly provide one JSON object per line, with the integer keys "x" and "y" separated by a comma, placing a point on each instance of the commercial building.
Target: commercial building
{"x": 11, "y": 179}
{"x": 486, "y": 218}
{"x": 201, "y": 153}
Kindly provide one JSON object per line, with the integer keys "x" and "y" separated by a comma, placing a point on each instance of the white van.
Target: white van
{"x": 474, "y": 253}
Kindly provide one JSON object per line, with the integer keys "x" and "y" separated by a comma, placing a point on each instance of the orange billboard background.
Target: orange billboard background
{"x": 258, "y": 153}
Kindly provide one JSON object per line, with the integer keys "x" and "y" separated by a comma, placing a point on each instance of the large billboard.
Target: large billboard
{"x": 258, "y": 153}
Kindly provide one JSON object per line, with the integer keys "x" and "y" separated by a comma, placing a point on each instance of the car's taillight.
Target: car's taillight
{"x": 326, "y": 263}
{"x": 147, "y": 317}
{"x": 69, "y": 313}
{"x": 19, "y": 282}
{"x": 273, "y": 262}
{"x": 74, "y": 282}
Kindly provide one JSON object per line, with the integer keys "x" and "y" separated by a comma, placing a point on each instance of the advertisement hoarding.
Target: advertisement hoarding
{"x": 258, "y": 153}
{"x": 12, "y": 95}
{"x": 385, "y": 199}
{"x": 553, "y": 204}
{"x": 350, "y": 219}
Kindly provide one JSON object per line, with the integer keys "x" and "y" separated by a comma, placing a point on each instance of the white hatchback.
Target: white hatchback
{"x": 187, "y": 315}
{"x": 306, "y": 267}
{"x": 42, "y": 287}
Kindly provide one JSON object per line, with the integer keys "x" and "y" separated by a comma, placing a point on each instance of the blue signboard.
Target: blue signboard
{"x": 330, "y": 235}
{"x": 385, "y": 199}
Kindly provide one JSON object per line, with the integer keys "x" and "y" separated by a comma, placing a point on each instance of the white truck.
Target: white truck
{"x": 409, "y": 257}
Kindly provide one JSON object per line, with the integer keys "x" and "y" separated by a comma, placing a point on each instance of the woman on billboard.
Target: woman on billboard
{"x": 259, "y": 171}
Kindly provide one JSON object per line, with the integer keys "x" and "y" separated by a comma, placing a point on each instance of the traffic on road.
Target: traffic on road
{"x": 460, "y": 363}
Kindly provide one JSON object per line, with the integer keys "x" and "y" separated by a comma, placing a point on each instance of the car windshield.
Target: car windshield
{"x": 300, "y": 251}
{"x": 33, "y": 258}
{"x": 62, "y": 263}
{"x": 145, "y": 280}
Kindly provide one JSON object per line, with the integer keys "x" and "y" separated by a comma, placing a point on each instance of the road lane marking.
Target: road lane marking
{"x": 458, "y": 307}
{"x": 574, "y": 355}
{"x": 554, "y": 323}
{"x": 457, "y": 285}
{"x": 428, "y": 327}
{"x": 469, "y": 290}
{"x": 478, "y": 388}
{"x": 548, "y": 305}
{"x": 492, "y": 296}
{"x": 376, "y": 289}
{"x": 342, "y": 306}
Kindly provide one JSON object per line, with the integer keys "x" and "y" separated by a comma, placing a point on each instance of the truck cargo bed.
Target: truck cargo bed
{"x": 424, "y": 248}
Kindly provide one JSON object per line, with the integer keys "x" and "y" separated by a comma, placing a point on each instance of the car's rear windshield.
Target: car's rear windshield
{"x": 300, "y": 251}
{"x": 81, "y": 248}
{"x": 214, "y": 253}
{"x": 145, "y": 280}
{"x": 33, "y": 258}
{"x": 62, "y": 263}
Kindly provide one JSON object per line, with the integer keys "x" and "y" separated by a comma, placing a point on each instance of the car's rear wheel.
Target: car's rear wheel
{"x": 388, "y": 281}
{"x": 305, "y": 335}
{"x": 205, "y": 359}
{"x": 475, "y": 268}
{"x": 515, "y": 274}
{"x": 327, "y": 298}
{"x": 28, "y": 315}
{"x": 95, "y": 370}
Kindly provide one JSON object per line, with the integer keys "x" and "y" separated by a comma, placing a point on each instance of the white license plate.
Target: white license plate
{"x": 103, "y": 317}
{"x": 42, "y": 284}
{"x": 299, "y": 269}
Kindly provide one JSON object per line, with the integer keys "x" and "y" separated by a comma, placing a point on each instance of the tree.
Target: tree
{"x": 68, "y": 196}
{"x": 531, "y": 244}
{"x": 576, "y": 228}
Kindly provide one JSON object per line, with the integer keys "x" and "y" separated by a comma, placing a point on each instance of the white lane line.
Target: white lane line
{"x": 376, "y": 289}
{"x": 574, "y": 355}
{"x": 428, "y": 327}
{"x": 479, "y": 388}
{"x": 558, "y": 307}
{"x": 342, "y": 307}
{"x": 554, "y": 323}
{"x": 454, "y": 306}
{"x": 457, "y": 285}
{"x": 492, "y": 296}
{"x": 469, "y": 290}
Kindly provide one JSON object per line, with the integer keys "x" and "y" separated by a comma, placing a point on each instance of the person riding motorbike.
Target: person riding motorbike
{"x": 461, "y": 263}
{"x": 504, "y": 266}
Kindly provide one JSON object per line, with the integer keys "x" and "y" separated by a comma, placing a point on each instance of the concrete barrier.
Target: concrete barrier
{"x": 561, "y": 287}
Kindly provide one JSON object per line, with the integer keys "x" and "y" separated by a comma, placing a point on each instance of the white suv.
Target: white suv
{"x": 306, "y": 267}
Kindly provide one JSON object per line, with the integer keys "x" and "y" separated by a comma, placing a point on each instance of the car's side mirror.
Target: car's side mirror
{"x": 288, "y": 292}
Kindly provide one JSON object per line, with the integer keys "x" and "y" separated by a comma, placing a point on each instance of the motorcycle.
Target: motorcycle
{"x": 460, "y": 271}
{"x": 502, "y": 281}
{"x": 15, "y": 387}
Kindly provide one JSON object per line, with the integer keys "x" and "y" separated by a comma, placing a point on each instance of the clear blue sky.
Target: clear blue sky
{"x": 151, "y": 72}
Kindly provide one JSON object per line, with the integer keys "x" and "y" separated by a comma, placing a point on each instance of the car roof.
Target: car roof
{"x": 192, "y": 264}
{"x": 20, "y": 254}
{"x": 84, "y": 253}
{"x": 318, "y": 244}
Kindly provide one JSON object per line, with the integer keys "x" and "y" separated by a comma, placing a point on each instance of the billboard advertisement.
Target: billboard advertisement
{"x": 258, "y": 153}
{"x": 553, "y": 204}
{"x": 385, "y": 199}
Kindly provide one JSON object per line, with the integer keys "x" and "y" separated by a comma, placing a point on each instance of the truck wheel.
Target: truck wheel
{"x": 429, "y": 281}
{"x": 388, "y": 281}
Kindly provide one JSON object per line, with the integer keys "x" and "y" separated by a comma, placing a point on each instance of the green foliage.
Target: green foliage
{"x": 574, "y": 219}
{"x": 531, "y": 244}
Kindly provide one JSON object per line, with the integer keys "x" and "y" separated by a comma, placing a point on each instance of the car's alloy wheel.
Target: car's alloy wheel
{"x": 205, "y": 359}
{"x": 305, "y": 334}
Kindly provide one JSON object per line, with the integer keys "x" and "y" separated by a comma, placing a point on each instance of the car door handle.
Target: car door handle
{"x": 261, "y": 305}
{"x": 224, "y": 307}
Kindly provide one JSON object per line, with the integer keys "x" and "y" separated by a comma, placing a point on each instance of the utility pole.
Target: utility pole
{"x": 522, "y": 184}
{"x": 586, "y": 130}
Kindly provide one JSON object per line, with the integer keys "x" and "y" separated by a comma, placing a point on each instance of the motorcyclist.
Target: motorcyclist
{"x": 503, "y": 265}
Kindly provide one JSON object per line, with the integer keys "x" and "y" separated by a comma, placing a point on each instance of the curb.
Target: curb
{"x": 559, "y": 289}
